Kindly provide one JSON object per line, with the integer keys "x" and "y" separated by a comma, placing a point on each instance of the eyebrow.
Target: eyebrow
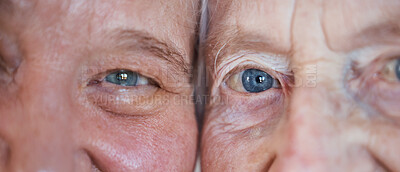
{"x": 385, "y": 32}
{"x": 240, "y": 42}
{"x": 133, "y": 39}
{"x": 380, "y": 30}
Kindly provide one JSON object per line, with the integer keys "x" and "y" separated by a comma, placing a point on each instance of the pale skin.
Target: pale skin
{"x": 57, "y": 110}
{"x": 337, "y": 106}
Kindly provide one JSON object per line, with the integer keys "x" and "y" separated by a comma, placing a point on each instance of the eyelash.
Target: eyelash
{"x": 100, "y": 78}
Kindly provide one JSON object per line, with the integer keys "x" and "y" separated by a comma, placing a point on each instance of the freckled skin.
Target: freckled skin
{"x": 47, "y": 119}
{"x": 324, "y": 121}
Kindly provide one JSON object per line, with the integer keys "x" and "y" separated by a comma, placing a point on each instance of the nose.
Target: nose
{"x": 311, "y": 136}
{"x": 318, "y": 137}
{"x": 39, "y": 140}
{"x": 45, "y": 154}
{"x": 40, "y": 154}
{"x": 37, "y": 132}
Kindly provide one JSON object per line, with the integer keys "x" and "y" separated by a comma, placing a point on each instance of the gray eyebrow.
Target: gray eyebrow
{"x": 129, "y": 38}
{"x": 380, "y": 30}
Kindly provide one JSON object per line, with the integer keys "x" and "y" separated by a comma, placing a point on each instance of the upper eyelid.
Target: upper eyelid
{"x": 243, "y": 67}
{"x": 367, "y": 55}
{"x": 367, "y": 61}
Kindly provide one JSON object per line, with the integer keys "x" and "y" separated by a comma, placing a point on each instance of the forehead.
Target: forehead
{"x": 156, "y": 17}
{"x": 137, "y": 10}
{"x": 278, "y": 21}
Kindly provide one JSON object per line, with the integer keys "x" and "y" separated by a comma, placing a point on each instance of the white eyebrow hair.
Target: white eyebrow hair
{"x": 274, "y": 62}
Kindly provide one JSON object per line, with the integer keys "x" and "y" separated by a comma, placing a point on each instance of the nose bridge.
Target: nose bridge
{"x": 309, "y": 131}
{"x": 308, "y": 115}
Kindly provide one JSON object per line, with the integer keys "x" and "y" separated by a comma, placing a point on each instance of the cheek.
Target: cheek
{"x": 164, "y": 141}
{"x": 241, "y": 113}
{"x": 225, "y": 152}
{"x": 238, "y": 134}
{"x": 388, "y": 99}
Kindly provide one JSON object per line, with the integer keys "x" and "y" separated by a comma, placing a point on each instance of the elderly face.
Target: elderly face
{"x": 303, "y": 86}
{"x": 96, "y": 85}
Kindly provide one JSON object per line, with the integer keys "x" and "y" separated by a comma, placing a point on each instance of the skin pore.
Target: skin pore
{"x": 57, "y": 110}
{"x": 337, "y": 105}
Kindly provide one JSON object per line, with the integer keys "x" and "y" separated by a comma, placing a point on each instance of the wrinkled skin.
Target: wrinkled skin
{"x": 56, "y": 111}
{"x": 337, "y": 109}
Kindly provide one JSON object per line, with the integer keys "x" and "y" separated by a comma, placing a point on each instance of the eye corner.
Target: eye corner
{"x": 93, "y": 82}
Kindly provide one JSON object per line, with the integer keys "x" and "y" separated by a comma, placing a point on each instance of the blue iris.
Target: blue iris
{"x": 255, "y": 81}
{"x": 398, "y": 69}
{"x": 123, "y": 78}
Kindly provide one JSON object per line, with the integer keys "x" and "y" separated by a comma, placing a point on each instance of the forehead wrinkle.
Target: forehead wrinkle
{"x": 374, "y": 22}
{"x": 228, "y": 29}
{"x": 132, "y": 39}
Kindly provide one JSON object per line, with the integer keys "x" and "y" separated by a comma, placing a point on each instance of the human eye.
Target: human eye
{"x": 252, "y": 81}
{"x": 249, "y": 94}
{"x": 378, "y": 85}
{"x": 126, "y": 78}
{"x": 125, "y": 92}
{"x": 123, "y": 79}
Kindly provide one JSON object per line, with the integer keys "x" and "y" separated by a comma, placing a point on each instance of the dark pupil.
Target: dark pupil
{"x": 398, "y": 69}
{"x": 122, "y": 77}
{"x": 255, "y": 81}
{"x": 260, "y": 79}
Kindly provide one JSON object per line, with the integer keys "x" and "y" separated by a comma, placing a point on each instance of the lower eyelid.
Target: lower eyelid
{"x": 247, "y": 111}
{"x": 135, "y": 101}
